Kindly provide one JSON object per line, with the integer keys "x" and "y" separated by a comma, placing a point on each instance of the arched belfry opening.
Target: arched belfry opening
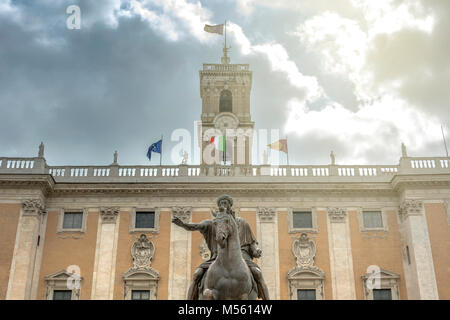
{"x": 226, "y": 101}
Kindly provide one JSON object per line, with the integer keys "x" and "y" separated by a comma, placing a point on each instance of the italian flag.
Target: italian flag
{"x": 219, "y": 142}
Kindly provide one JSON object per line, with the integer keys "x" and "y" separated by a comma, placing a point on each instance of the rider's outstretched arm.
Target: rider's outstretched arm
{"x": 190, "y": 226}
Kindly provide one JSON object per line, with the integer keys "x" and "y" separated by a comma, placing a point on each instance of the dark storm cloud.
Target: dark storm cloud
{"x": 121, "y": 81}
{"x": 102, "y": 89}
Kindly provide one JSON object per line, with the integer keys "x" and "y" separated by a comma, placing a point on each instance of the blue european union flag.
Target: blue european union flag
{"x": 155, "y": 147}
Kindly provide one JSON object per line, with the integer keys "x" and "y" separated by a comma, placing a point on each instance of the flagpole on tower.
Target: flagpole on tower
{"x": 445, "y": 143}
{"x": 225, "y": 26}
{"x": 287, "y": 151}
{"x": 160, "y": 155}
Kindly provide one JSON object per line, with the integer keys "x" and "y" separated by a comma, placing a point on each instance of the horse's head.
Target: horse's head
{"x": 224, "y": 227}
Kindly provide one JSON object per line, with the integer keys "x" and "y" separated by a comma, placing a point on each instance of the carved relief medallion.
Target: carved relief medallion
{"x": 304, "y": 250}
{"x": 142, "y": 252}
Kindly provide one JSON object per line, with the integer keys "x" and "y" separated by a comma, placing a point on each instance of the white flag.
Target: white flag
{"x": 214, "y": 29}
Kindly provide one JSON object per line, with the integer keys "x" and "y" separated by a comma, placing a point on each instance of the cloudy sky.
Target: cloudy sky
{"x": 354, "y": 76}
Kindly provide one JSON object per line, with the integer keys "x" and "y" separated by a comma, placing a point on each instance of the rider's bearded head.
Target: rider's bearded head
{"x": 226, "y": 202}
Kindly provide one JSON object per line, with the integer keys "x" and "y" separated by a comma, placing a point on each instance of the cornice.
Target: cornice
{"x": 168, "y": 189}
{"x": 401, "y": 182}
{"x": 44, "y": 182}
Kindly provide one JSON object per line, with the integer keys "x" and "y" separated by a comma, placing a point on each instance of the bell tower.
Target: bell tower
{"x": 225, "y": 92}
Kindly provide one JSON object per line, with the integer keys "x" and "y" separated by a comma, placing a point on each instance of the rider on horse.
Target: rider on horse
{"x": 248, "y": 247}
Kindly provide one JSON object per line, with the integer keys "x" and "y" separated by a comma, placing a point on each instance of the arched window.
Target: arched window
{"x": 226, "y": 101}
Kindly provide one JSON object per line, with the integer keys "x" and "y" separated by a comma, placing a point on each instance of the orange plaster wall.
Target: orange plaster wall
{"x": 160, "y": 260}
{"x": 250, "y": 217}
{"x": 368, "y": 249}
{"x": 439, "y": 232}
{"x": 9, "y": 218}
{"x": 69, "y": 248}
{"x": 287, "y": 259}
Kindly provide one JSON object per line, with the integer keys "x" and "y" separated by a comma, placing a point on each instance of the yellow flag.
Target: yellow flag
{"x": 280, "y": 145}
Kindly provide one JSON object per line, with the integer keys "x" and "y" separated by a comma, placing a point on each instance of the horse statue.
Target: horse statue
{"x": 228, "y": 277}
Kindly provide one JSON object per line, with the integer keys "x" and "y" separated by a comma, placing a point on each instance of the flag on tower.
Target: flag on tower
{"x": 280, "y": 145}
{"x": 219, "y": 142}
{"x": 214, "y": 29}
{"x": 223, "y": 146}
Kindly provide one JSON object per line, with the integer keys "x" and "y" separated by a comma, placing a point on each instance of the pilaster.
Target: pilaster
{"x": 105, "y": 254}
{"x": 418, "y": 262}
{"x": 25, "y": 250}
{"x": 180, "y": 255}
{"x": 267, "y": 235}
{"x": 341, "y": 260}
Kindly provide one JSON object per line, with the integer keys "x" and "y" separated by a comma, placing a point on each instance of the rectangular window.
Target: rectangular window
{"x": 382, "y": 294}
{"x": 145, "y": 220}
{"x": 62, "y": 295}
{"x": 372, "y": 219}
{"x": 306, "y": 294}
{"x": 140, "y": 295}
{"x": 73, "y": 220}
{"x": 302, "y": 219}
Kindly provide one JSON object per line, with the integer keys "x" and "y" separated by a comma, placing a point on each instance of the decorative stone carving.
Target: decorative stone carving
{"x": 142, "y": 252}
{"x": 410, "y": 207}
{"x": 305, "y": 275}
{"x": 141, "y": 276}
{"x": 183, "y": 213}
{"x": 109, "y": 215}
{"x": 266, "y": 214}
{"x": 33, "y": 207}
{"x": 337, "y": 214}
{"x": 304, "y": 250}
{"x": 204, "y": 251}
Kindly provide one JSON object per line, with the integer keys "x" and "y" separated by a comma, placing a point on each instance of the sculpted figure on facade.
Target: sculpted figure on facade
{"x": 41, "y": 150}
{"x": 248, "y": 245}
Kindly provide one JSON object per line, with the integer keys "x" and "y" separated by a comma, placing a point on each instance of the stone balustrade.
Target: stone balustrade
{"x": 225, "y": 67}
{"x": 118, "y": 173}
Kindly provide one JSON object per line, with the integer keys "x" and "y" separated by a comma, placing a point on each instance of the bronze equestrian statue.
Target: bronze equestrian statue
{"x": 228, "y": 278}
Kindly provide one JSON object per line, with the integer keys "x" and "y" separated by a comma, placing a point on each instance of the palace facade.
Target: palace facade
{"x": 326, "y": 231}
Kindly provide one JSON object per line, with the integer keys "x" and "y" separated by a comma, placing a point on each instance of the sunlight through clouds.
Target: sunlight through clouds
{"x": 279, "y": 61}
{"x": 382, "y": 125}
{"x": 389, "y": 16}
{"x": 343, "y": 45}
